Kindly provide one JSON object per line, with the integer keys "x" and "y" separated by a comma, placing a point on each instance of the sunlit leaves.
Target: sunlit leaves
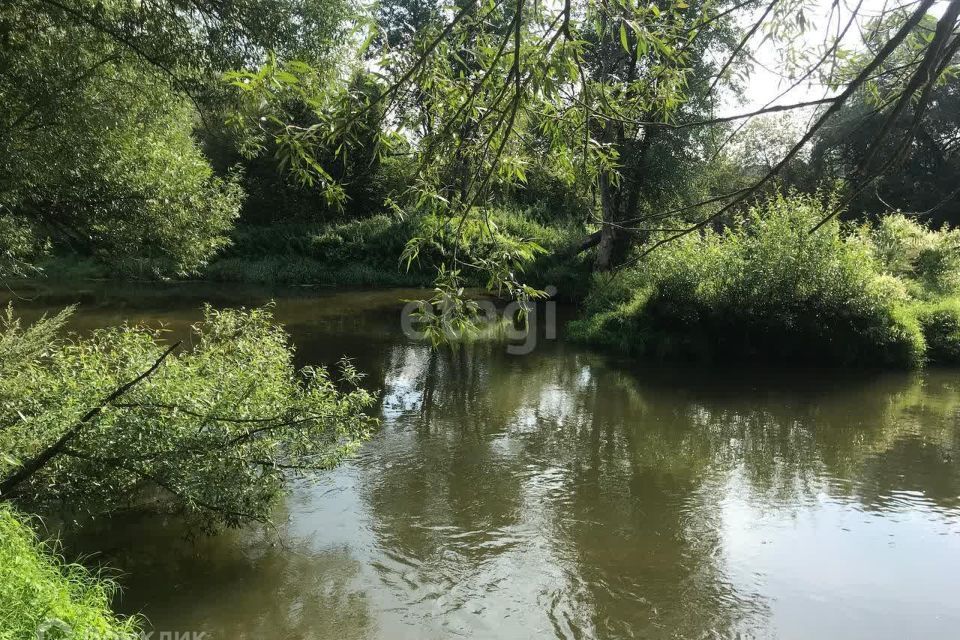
{"x": 98, "y": 151}
{"x": 215, "y": 434}
{"x": 479, "y": 93}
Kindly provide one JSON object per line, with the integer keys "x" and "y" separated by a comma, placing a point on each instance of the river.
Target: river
{"x": 565, "y": 494}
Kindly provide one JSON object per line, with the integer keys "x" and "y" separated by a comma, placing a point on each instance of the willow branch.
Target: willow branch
{"x": 855, "y": 84}
{"x": 35, "y": 464}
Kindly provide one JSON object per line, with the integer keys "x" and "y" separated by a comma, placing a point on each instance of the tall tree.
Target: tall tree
{"x": 606, "y": 91}
{"x": 102, "y": 101}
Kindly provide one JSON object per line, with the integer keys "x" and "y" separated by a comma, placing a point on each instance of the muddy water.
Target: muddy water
{"x": 564, "y": 494}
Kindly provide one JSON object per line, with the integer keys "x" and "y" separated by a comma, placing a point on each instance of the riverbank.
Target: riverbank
{"x": 763, "y": 290}
{"x": 44, "y": 597}
{"x": 767, "y": 289}
{"x": 368, "y": 252}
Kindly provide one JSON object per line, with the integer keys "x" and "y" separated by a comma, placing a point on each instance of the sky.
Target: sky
{"x": 766, "y": 82}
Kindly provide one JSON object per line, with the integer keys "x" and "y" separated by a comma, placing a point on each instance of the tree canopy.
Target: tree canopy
{"x": 103, "y": 105}
{"x": 617, "y": 98}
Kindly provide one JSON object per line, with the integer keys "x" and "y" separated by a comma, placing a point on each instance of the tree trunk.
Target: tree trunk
{"x": 614, "y": 240}
{"x": 605, "y": 249}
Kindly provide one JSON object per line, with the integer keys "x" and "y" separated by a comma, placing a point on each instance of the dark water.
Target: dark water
{"x": 561, "y": 494}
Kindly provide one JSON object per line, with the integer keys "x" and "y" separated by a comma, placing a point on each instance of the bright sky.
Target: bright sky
{"x": 767, "y": 81}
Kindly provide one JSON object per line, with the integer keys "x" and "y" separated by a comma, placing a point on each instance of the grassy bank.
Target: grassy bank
{"x": 40, "y": 591}
{"x": 365, "y": 252}
{"x": 763, "y": 289}
{"x": 369, "y": 252}
{"x": 357, "y": 253}
{"x": 767, "y": 289}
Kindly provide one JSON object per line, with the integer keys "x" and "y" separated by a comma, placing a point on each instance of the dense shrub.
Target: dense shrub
{"x": 215, "y": 434}
{"x": 359, "y": 252}
{"x": 120, "y": 178}
{"x": 549, "y": 197}
{"x": 763, "y": 289}
{"x": 940, "y": 322}
{"x": 928, "y": 260}
{"x": 378, "y": 239}
{"x": 276, "y": 198}
{"x": 37, "y": 588}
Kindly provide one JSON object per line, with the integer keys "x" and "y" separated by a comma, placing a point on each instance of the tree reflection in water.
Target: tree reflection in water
{"x": 560, "y": 494}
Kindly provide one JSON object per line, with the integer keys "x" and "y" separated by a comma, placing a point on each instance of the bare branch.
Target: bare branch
{"x": 743, "y": 43}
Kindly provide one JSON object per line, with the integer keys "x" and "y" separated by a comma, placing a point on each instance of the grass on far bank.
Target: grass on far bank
{"x": 764, "y": 289}
{"x": 368, "y": 252}
{"x": 356, "y": 253}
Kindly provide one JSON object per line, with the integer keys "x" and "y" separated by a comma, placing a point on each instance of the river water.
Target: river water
{"x": 565, "y": 494}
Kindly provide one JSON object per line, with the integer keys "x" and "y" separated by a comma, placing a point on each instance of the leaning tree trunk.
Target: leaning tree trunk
{"x": 610, "y": 200}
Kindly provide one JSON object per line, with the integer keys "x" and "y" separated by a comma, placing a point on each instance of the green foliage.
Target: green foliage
{"x": 927, "y": 262}
{"x": 72, "y": 267}
{"x": 19, "y": 247}
{"x": 550, "y": 196}
{"x": 763, "y": 289}
{"x": 275, "y": 198}
{"x": 370, "y": 251}
{"x": 36, "y": 586}
{"x": 928, "y": 259}
{"x": 476, "y": 242}
{"x": 291, "y": 108}
{"x": 377, "y": 240}
{"x": 481, "y": 102}
{"x": 919, "y": 177}
{"x": 559, "y": 266}
{"x": 161, "y": 210}
{"x": 358, "y": 252}
{"x": 214, "y": 434}
{"x": 98, "y": 150}
{"x": 940, "y": 322}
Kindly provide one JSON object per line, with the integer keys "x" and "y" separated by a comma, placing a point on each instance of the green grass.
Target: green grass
{"x": 357, "y": 253}
{"x": 295, "y": 270}
{"x": 364, "y": 252}
{"x": 368, "y": 252}
{"x": 38, "y": 587}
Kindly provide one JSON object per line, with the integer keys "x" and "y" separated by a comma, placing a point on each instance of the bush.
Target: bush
{"x": 216, "y": 434}
{"x": 940, "y": 322}
{"x": 928, "y": 259}
{"x": 37, "y": 588}
{"x": 763, "y": 289}
{"x": 359, "y": 252}
{"x": 369, "y": 252}
{"x": 549, "y": 197}
{"x": 120, "y": 178}
{"x": 376, "y": 240}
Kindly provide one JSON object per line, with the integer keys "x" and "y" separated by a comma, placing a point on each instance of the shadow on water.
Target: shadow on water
{"x": 560, "y": 494}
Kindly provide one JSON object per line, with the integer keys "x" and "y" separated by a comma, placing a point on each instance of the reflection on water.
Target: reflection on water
{"x": 561, "y": 495}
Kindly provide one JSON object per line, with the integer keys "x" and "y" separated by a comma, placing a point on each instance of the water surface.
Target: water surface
{"x": 565, "y": 494}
